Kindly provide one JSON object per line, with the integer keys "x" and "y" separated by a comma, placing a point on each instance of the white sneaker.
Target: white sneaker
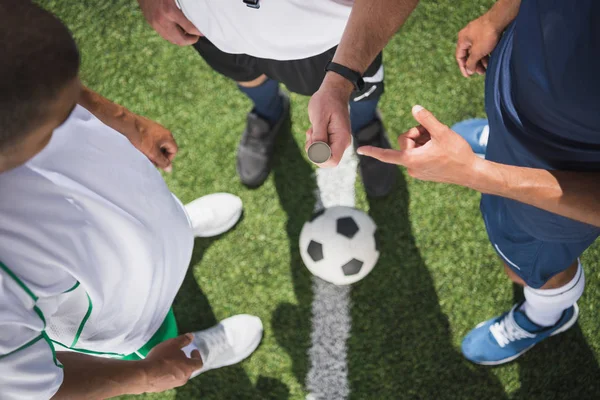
{"x": 227, "y": 343}
{"x": 214, "y": 214}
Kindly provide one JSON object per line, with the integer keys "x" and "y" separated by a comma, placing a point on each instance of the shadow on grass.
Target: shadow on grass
{"x": 193, "y": 312}
{"x": 401, "y": 347}
{"x": 562, "y": 367}
{"x": 295, "y": 186}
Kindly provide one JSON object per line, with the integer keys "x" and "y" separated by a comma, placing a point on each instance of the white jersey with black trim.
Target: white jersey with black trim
{"x": 93, "y": 249}
{"x": 278, "y": 29}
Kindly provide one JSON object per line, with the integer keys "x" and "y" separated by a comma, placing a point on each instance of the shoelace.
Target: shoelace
{"x": 216, "y": 343}
{"x": 507, "y": 330}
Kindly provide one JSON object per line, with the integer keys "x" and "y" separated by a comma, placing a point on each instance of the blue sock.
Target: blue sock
{"x": 362, "y": 113}
{"x": 268, "y": 104}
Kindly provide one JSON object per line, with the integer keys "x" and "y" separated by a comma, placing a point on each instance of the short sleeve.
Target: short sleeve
{"x": 28, "y": 365}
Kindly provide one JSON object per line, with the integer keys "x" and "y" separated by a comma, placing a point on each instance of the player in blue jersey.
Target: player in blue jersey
{"x": 540, "y": 178}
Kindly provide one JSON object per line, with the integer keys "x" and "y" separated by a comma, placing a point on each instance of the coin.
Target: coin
{"x": 319, "y": 152}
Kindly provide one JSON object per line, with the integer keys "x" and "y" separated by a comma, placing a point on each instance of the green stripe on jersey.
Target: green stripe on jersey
{"x": 19, "y": 282}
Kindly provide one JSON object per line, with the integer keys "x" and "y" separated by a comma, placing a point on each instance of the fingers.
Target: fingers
{"x": 476, "y": 54}
{"x": 480, "y": 69}
{"x": 386, "y": 155}
{"x": 195, "y": 361}
{"x": 462, "y": 54}
{"x": 179, "y": 18}
{"x": 161, "y": 159}
{"x": 183, "y": 340}
{"x": 169, "y": 148}
{"x": 338, "y": 147}
{"x": 485, "y": 61}
{"x": 309, "y": 138}
{"x": 176, "y": 35}
{"x": 428, "y": 120}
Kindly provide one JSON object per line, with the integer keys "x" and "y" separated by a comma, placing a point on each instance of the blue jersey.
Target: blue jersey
{"x": 543, "y": 102}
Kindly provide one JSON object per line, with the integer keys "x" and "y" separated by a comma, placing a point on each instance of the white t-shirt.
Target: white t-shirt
{"x": 279, "y": 29}
{"x": 94, "y": 248}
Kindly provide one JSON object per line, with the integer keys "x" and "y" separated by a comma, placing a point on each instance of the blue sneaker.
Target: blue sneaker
{"x": 476, "y": 132}
{"x": 503, "y": 339}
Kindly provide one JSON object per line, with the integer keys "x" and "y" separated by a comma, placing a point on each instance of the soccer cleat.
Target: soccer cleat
{"x": 476, "y": 132}
{"x": 505, "y": 338}
{"x": 229, "y": 342}
{"x": 256, "y": 148}
{"x": 214, "y": 214}
{"x": 378, "y": 177}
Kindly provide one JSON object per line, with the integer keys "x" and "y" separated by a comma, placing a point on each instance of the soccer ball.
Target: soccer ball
{"x": 338, "y": 245}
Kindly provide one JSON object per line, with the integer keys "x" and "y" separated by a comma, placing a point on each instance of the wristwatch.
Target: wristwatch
{"x": 349, "y": 74}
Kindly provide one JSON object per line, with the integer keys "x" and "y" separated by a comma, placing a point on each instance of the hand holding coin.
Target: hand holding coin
{"x": 319, "y": 152}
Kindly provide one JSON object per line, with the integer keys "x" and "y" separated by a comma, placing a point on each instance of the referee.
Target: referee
{"x": 262, "y": 43}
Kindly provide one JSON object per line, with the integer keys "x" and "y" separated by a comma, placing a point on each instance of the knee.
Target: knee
{"x": 254, "y": 83}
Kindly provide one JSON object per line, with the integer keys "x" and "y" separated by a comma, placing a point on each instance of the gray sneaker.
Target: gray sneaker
{"x": 378, "y": 177}
{"x": 255, "y": 151}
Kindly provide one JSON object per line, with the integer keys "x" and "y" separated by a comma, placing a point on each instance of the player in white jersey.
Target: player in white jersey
{"x": 93, "y": 245}
{"x": 262, "y": 43}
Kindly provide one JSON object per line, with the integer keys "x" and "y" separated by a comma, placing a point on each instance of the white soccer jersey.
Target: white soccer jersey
{"x": 94, "y": 248}
{"x": 279, "y": 29}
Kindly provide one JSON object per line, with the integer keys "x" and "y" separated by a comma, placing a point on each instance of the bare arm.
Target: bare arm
{"x": 149, "y": 137}
{"x": 90, "y": 378}
{"x": 575, "y": 195}
{"x": 433, "y": 152}
{"x": 371, "y": 25}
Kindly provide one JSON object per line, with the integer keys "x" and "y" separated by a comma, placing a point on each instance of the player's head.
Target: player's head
{"x": 39, "y": 84}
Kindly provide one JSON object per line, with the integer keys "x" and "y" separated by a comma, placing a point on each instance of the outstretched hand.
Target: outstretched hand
{"x": 430, "y": 151}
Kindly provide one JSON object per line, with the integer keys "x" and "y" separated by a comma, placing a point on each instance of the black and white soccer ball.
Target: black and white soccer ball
{"x": 338, "y": 245}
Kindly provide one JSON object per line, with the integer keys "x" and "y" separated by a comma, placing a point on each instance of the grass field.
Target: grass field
{"x": 437, "y": 276}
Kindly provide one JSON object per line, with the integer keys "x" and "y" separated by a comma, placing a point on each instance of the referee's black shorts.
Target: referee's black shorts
{"x": 303, "y": 76}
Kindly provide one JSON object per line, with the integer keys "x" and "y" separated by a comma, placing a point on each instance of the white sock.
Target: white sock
{"x": 545, "y": 307}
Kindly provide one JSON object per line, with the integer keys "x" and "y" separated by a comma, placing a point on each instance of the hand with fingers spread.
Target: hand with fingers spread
{"x": 167, "y": 367}
{"x": 475, "y": 43}
{"x": 431, "y": 152}
{"x": 329, "y": 116}
{"x": 169, "y": 22}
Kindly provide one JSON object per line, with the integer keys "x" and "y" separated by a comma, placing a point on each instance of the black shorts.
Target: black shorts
{"x": 303, "y": 76}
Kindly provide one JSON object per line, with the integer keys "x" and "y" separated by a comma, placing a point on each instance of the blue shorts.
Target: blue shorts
{"x": 533, "y": 260}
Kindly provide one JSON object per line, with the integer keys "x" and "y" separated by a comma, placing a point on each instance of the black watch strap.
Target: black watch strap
{"x": 350, "y": 74}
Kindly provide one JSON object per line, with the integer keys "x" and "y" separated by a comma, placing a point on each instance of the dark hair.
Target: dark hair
{"x": 38, "y": 58}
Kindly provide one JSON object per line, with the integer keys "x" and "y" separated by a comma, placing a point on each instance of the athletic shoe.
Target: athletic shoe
{"x": 476, "y": 132}
{"x": 229, "y": 342}
{"x": 214, "y": 214}
{"x": 503, "y": 339}
{"x": 256, "y": 148}
{"x": 378, "y": 177}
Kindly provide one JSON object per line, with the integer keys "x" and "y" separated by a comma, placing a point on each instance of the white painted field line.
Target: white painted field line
{"x": 331, "y": 322}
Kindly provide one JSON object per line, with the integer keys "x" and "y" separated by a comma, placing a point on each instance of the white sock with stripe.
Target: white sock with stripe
{"x": 545, "y": 307}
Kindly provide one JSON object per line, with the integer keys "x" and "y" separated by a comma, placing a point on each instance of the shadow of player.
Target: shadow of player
{"x": 401, "y": 347}
{"x": 193, "y": 312}
{"x": 562, "y": 367}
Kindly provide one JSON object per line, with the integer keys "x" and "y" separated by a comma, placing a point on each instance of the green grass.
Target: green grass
{"x": 437, "y": 276}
